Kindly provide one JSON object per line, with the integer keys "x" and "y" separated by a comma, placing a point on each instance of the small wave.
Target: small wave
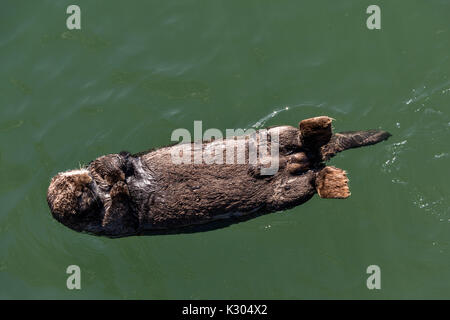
{"x": 441, "y": 155}
{"x": 261, "y": 122}
{"x": 423, "y": 94}
{"x": 436, "y": 207}
{"x": 395, "y": 149}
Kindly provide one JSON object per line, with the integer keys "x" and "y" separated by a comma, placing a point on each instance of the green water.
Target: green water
{"x": 137, "y": 70}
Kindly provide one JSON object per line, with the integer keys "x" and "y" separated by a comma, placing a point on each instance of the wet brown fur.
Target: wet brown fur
{"x": 124, "y": 194}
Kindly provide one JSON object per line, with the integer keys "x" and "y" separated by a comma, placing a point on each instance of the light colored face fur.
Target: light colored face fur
{"x": 71, "y": 196}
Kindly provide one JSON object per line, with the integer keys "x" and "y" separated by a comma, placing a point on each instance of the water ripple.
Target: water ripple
{"x": 261, "y": 122}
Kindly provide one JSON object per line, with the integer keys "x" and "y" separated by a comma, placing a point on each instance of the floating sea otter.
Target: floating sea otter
{"x": 122, "y": 194}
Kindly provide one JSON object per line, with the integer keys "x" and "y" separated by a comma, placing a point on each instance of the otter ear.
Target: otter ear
{"x": 332, "y": 183}
{"x": 315, "y": 132}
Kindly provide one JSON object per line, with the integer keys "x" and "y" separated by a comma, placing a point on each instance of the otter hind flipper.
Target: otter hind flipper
{"x": 332, "y": 183}
{"x": 351, "y": 139}
{"x": 315, "y": 132}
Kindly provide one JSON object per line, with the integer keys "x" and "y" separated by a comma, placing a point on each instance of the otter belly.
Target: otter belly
{"x": 193, "y": 194}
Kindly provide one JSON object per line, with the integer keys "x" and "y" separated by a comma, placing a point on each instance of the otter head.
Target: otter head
{"x": 74, "y": 202}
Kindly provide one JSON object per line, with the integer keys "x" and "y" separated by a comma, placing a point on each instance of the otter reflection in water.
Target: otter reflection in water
{"x": 147, "y": 193}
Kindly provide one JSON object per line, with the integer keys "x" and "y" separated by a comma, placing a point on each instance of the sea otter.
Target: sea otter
{"x": 147, "y": 193}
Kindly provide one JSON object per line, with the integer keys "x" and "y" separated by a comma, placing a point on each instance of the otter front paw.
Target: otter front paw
{"x": 298, "y": 163}
{"x": 119, "y": 217}
{"x": 119, "y": 189}
{"x": 107, "y": 170}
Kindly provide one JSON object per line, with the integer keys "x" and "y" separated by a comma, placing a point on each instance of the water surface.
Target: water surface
{"x": 138, "y": 70}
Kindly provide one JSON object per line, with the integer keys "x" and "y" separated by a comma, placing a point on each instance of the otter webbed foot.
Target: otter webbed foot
{"x": 315, "y": 132}
{"x": 332, "y": 183}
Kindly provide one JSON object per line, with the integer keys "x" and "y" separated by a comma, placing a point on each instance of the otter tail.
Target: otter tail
{"x": 351, "y": 139}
